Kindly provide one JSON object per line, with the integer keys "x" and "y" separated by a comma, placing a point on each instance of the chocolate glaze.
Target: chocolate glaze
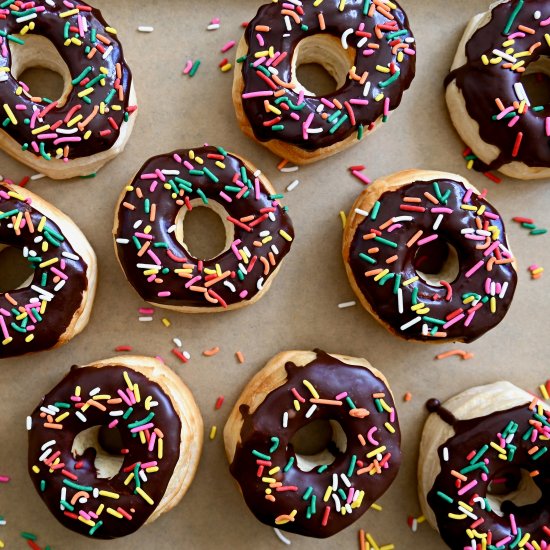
{"x": 65, "y": 302}
{"x": 383, "y": 298}
{"x": 109, "y": 379}
{"x": 167, "y": 209}
{"x": 481, "y": 84}
{"x": 337, "y": 22}
{"x": 472, "y": 435}
{"x": 435, "y": 406}
{"x": 50, "y": 25}
{"x": 329, "y": 377}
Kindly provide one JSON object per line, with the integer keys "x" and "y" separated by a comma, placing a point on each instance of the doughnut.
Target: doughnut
{"x": 319, "y": 493}
{"x": 367, "y": 48}
{"x": 150, "y": 242}
{"x": 486, "y": 93}
{"x": 77, "y": 133}
{"x": 483, "y": 469}
{"x": 54, "y": 305}
{"x": 427, "y": 256}
{"x": 151, "y": 430}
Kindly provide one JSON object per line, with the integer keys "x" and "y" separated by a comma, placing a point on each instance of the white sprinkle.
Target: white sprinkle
{"x": 257, "y": 173}
{"x": 438, "y": 222}
{"x": 26, "y": 18}
{"x": 287, "y": 169}
{"x": 336, "y": 502}
{"x": 81, "y": 416}
{"x": 521, "y": 93}
{"x": 177, "y": 341}
{"x": 107, "y": 52}
{"x": 493, "y": 288}
{"x": 414, "y": 525}
{"x": 145, "y": 319}
{"x": 362, "y": 42}
{"x": 504, "y": 55}
{"x": 274, "y": 249}
{"x": 402, "y": 219}
{"x": 138, "y": 224}
{"x": 260, "y": 283}
{"x": 116, "y": 413}
{"x": 311, "y": 410}
{"x": 170, "y": 172}
{"x": 287, "y": 23}
{"x": 38, "y": 176}
{"x": 230, "y": 286}
{"x": 361, "y": 212}
{"x": 334, "y": 482}
{"x": 366, "y": 89}
{"x": 143, "y": 28}
{"x": 95, "y": 391}
{"x": 293, "y": 185}
{"x": 47, "y": 444}
{"x": 348, "y": 508}
{"x": 347, "y": 304}
{"x": 469, "y": 514}
{"x": 95, "y": 492}
{"x": 29, "y": 423}
{"x": 503, "y": 290}
{"x": 411, "y": 323}
{"x": 122, "y": 241}
{"x": 59, "y": 285}
{"x": 43, "y": 293}
{"x": 537, "y": 15}
{"x": 44, "y": 455}
{"x": 400, "y": 300}
{"x": 346, "y": 480}
{"x": 70, "y": 256}
{"x": 147, "y": 266}
{"x": 285, "y": 419}
{"x": 213, "y": 27}
{"x": 49, "y": 409}
{"x": 467, "y": 230}
{"x": 425, "y": 329}
{"x": 344, "y": 38}
{"x": 446, "y": 454}
{"x": 281, "y": 537}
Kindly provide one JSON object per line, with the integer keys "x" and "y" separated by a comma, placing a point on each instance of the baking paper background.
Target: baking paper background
{"x": 300, "y": 311}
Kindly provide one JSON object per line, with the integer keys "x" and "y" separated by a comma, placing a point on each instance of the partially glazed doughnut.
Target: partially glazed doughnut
{"x": 104, "y": 484}
{"x": 319, "y": 494}
{"x": 366, "y": 47}
{"x": 484, "y": 469}
{"x": 55, "y": 303}
{"x": 427, "y": 256}
{"x": 487, "y": 100}
{"x": 150, "y": 244}
{"x": 90, "y": 123}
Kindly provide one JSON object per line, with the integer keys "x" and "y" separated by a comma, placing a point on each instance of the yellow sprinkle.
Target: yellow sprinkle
{"x": 418, "y": 306}
{"x": 493, "y": 303}
{"x": 343, "y": 218}
{"x": 310, "y": 387}
{"x": 144, "y": 495}
{"x": 380, "y": 450}
{"x": 41, "y": 129}
{"x": 213, "y": 431}
{"x": 226, "y": 67}
{"x": 485, "y": 59}
{"x": 497, "y": 447}
{"x": 129, "y": 478}
{"x": 142, "y": 438}
{"x": 382, "y": 69}
{"x": 273, "y": 471}
{"x": 457, "y": 516}
{"x": 62, "y": 417}
{"x": 7, "y": 341}
{"x": 152, "y": 469}
{"x": 74, "y": 120}
{"x": 383, "y": 273}
{"x": 296, "y": 404}
{"x": 127, "y": 380}
{"x": 100, "y": 509}
{"x": 328, "y": 492}
{"x": 372, "y": 542}
{"x": 68, "y": 13}
{"x": 10, "y": 114}
{"x": 285, "y": 235}
{"x": 86, "y": 521}
{"x": 376, "y": 507}
{"x": 114, "y": 513}
{"x": 87, "y": 134}
{"x": 49, "y": 262}
{"x": 269, "y": 480}
{"x": 342, "y": 5}
{"x": 166, "y": 322}
{"x": 160, "y": 445}
{"x": 36, "y": 469}
{"x": 379, "y": 97}
{"x": 410, "y": 281}
{"x": 109, "y": 494}
{"x": 544, "y": 391}
{"x": 389, "y": 427}
{"x": 110, "y": 30}
{"x": 480, "y": 210}
{"x": 85, "y": 92}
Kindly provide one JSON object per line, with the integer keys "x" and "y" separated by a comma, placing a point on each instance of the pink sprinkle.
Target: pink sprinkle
{"x": 466, "y": 488}
{"x": 361, "y": 177}
{"x": 474, "y": 269}
{"x": 243, "y": 294}
{"x": 428, "y": 240}
{"x": 146, "y": 310}
{"x": 341, "y": 395}
{"x": 192, "y": 281}
{"x": 503, "y": 113}
{"x": 164, "y": 294}
{"x": 492, "y": 248}
{"x": 152, "y": 442}
{"x": 188, "y": 67}
{"x": 453, "y": 321}
{"x": 4, "y": 479}
{"x": 227, "y": 46}
{"x": 467, "y": 196}
{"x": 257, "y": 94}
{"x": 370, "y": 437}
{"x": 113, "y": 423}
{"x": 142, "y": 428}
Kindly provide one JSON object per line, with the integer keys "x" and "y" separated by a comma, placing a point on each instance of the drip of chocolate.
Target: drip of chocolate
{"x": 435, "y": 406}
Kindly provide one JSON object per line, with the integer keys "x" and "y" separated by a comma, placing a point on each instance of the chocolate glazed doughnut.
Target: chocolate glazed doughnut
{"x": 427, "y": 256}
{"x": 56, "y": 302}
{"x": 484, "y": 469}
{"x": 314, "y": 495}
{"x": 93, "y": 483}
{"x": 368, "y": 49}
{"x": 90, "y": 123}
{"x": 150, "y": 243}
{"x": 489, "y": 105}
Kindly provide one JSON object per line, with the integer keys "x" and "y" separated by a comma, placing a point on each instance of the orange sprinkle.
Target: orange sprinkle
{"x": 326, "y": 402}
{"x": 407, "y": 396}
{"x": 240, "y": 356}
{"x": 211, "y": 352}
{"x": 462, "y": 353}
{"x": 361, "y": 539}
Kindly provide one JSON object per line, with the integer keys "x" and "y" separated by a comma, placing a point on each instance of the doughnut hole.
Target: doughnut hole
{"x": 39, "y": 65}
{"x": 437, "y": 261}
{"x": 320, "y": 65}
{"x": 513, "y": 485}
{"x": 100, "y": 446}
{"x": 318, "y": 443}
{"x": 16, "y": 270}
{"x": 536, "y": 83}
{"x": 204, "y": 231}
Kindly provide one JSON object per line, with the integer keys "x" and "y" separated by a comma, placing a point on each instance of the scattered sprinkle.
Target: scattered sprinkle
{"x": 211, "y": 352}
{"x": 463, "y": 354}
{"x": 143, "y": 28}
{"x": 344, "y": 305}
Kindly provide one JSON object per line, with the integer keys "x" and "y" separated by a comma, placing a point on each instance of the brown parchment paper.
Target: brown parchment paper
{"x": 300, "y": 311}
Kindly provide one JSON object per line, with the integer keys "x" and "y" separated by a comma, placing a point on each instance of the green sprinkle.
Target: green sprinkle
{"x": 28, "y": 536}
{"x": 392, "y": 35}
{"x": 350, "y": 402}
{"x": 397, "y": 283}
{"x": 386, "y": 278}
{"x": 275, "y": 441}
{"x": 513, "y": 17}
{"x": 360, "y": 132}
{"x": 374, "y": 211}
{"x": 385, "y": 241}
{"x": 42, "y": 485}
{"x": 351, "y": 468}
{"x": 308, "y": 492}
{"x": 313, "y": 501}
{"x": 322, "y": 468}
{"x": 366, "y": 6}
{"x": 260, "y": 455}
{"x": 73, "y": 485}
{"x": 538, "y": 454}
{"x": 96, "y": 527}
{"x": 241, "y": 59}
{"x": 367, "y": 258}
{"x": 194, "y": 68}
{"x": 289, "y": 464}
{"x": 278, "y": 127}
{"x": 445, "y": 497}
{"x": 338, "y": 124}
{"x": 81, "y": 76}
{"x": 390, "y": 80}
{"x": 213, "y": 177}
{"x": 538, "y": 231}
{"x": 143, "y": 421}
